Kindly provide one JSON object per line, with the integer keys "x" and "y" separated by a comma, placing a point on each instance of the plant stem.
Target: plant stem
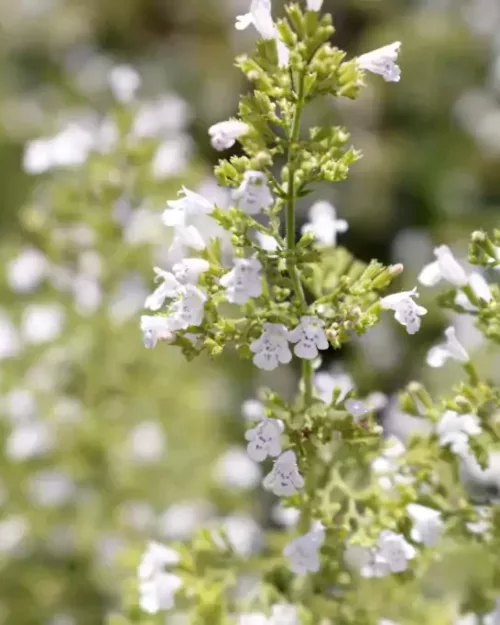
{"x": 290, "y": 228}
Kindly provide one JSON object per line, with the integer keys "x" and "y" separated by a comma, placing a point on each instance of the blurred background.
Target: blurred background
{"x": 105, "y": 444}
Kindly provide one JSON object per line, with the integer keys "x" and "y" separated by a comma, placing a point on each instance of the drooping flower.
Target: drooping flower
{"x": 303, "y": 552}
{"x": 124, "y": 82}
{"x": 427, "y": 524}
{"x": 284, "y": 478}
{"x": 323, "y": 223}
{"x": 445, "y": 267}
{"x": 189, "y": 309}
{"x": 480, "y": 288}
{"x": 406, "y": 311}
{"x": 155, "y": 329}
{"x": 169, "y": 287}
{"x": 356, "y": 407}
{"x": 454, "y": 430}
{"x": 452, "y": 348}
{"x": 271, "y": 348}
{"x": 260, "y": 16}
{"x": 395, "y": 551}
{"x": 314, "y": 5}
{"x": 309, "y": 337}
{"x": 383, "y": 61}
{"x": 157, "y": 588}
{"x": 223, "y": 135}
{"x": 253, "y": 194}
{"x": 243, "y": 281}
{"x": 264, "y": 440}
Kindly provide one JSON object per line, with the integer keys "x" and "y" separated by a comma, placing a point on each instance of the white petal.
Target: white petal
{"x": 430, "y": 274}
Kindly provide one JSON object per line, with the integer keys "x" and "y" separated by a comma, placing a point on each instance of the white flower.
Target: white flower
{"x": 284, "y": 614}
{"x": 309, "y": 337}
{"x": 453, "y": 349}
{"x": 42, "y": 323}
{"x": 303, "y": 552}
{"x": 236, "y": 471}
{"x": 427, "y": 524}
{"x": 155, "y": 329}
{"x": 386, "y": 465}
{"x": 481, "y": 289}
{"x": 445, "y": 267}
{"x": 314, "y": 5}
{"x": 271, "y": 348}
{"x": 147, "y": 442}
{"x": 264, "y": 440}
{"x": 124, "y": 82}
{"x": 189, "y": 270}
{"x": 158, "y": 593}
{"x": 406, "y": 311}
{"x": 253, "y": 410}
{"x": 252, "y": 618}
{"x": 156, "y": 587}
{"x": 324, "y": 223}
{"x": 284, "y": 478}
{"x": 190, "y": 205}
{"x": 186, "y": 237}
{"x": 253, "y": 194}
{"x": 454, "y": 429}
{"x": 356, "y": 407}
{"x": 260, "y": 17}
{"x": 168, "y": 288}
{"x": 327, "y": 383}
{"x": 189, "y": 309}
{"x": 383, "y": 61}
{"x": 243, "y": 281}
{"x": 27, "y": 270}
{"x": 29, "y": 440}
{"x": 395, "y": 551}
{"x": 223, "y": 135}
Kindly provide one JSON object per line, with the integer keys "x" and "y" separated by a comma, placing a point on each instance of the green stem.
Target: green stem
{"x": 290, "y": 228}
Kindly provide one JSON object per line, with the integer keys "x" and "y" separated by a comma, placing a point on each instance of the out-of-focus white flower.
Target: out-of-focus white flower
{"x": 285, "y": 516}
{"x": 235, "y": 470}
{"x": 253, "y": 194}
{"x": 481, "y": 289}
{"x": 181, "y": 520}
{"x": 26, "y": 272}
{"x": 157, "y": 588}
{"x": 323, "y": 223}
{"x": 10, "y": 345}
{"x": 303, "y": 552}
{"x": 445, "y": 267}
{"x": 147, "y": 442}
{"x": 19, "y": 405}
{"x": 124, "y": 81}
{"x": 271, "y": 348}
{"x": 284, "y": 478}
{"x": 284, "y": 614}
{"x": 13, "y": 531}
{"x": 386, "y": 466}
{"x": 243, "y": 533}
{"x": 267, "y": 242}
{"x": 29, "y": 440}
{"x": 383, "y": 61}
{"x": 223, "y": 135}
{"x": 406, "y": 311}
{"x": 51, "y": 488}
{"x": 309, "y": 337}
{"x": 155, "y": 329}
{"x": 427, "y": 524}
{"x": 172, "y": 157}
{"x": 252, "y": 618}
{"x": 356, "y": 407}
{"x": 162, "y": 117}
{"x": 243, "y": 281}
{"x": 326, "y": 383}
{"x": 264, "y": 440}
{"x": 314, "y": 5}
{"x": 454, "y": 430}
{"x": 394, "y": 551}
{"x": 453, "y": 349}
{"x": 253, "y": 410}
{"x": 42, "y": 323}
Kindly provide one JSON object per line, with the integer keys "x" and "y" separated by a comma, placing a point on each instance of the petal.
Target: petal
{"x": 430, "y": 274}
{"x": 243, "y": 21}
{"x": 306, "y": 351}
{"x": 437, "y": 356}
{"x": 285, "y": 355}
